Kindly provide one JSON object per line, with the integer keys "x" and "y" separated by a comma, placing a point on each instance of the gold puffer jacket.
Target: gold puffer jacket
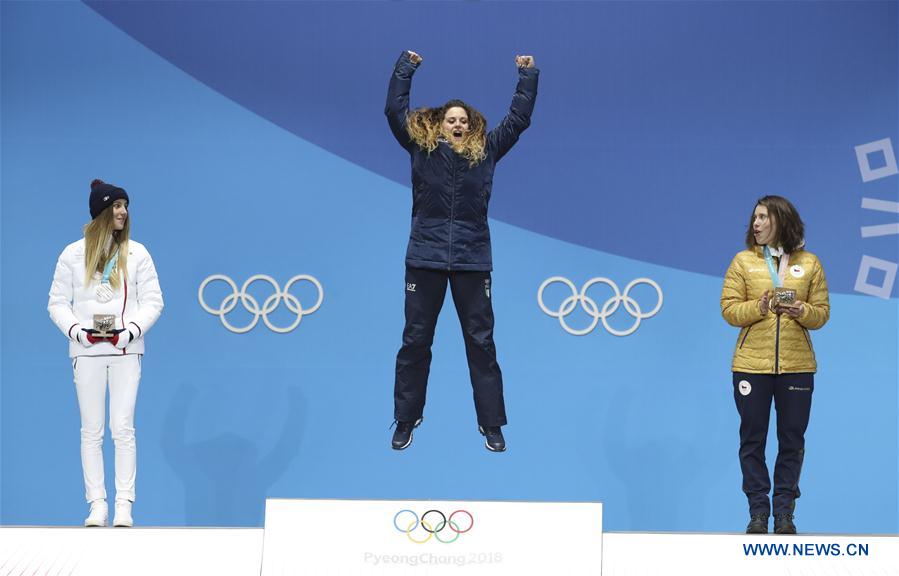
{"x": 774, "y": 343}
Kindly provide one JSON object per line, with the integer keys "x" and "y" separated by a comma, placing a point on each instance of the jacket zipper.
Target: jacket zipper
{"x": 125, "y": 303}
{"x": 777, "y": 347}
{"x": 449, "y": 262}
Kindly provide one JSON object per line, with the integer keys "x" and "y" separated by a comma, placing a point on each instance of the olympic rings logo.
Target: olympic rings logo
{"x": 252, "y": 305}
{"x": 432, "y": 524}
{"x": 596, "y": 312}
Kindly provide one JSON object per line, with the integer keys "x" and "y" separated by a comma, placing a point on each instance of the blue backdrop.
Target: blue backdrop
{"x": 251, "y": 139}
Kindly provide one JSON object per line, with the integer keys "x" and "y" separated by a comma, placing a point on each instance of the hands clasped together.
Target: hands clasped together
{"x": 120, "y": 338}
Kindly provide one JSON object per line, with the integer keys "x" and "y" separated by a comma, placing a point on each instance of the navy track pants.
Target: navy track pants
{"x": 792, "y": 395}
{"x": 425, "y": 293}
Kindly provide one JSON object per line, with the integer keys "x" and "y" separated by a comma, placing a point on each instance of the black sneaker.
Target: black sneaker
{"x": 494, "y": 435}
{"x": 783, "y": 524}
{"x": 758, "y": 524}
{"x": 402, "y": 436}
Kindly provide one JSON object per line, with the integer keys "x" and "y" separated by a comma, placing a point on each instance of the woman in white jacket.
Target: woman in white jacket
{"x": 105, "y": 296}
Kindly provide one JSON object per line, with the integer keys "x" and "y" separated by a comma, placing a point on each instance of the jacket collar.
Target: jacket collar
{"x": 776, "y": 252}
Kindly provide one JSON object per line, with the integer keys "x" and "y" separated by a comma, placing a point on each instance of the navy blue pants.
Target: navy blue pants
{"x": 792, "y": 394}
{"x": 425, "y": 292}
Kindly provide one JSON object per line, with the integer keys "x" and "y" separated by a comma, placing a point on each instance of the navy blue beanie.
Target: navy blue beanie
{"x": 103, "y": 195}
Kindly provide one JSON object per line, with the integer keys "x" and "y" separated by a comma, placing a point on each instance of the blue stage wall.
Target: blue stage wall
{"x": 251, "y": 139}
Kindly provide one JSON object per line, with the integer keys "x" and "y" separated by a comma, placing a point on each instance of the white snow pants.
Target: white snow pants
{"x": 122, "y": 373}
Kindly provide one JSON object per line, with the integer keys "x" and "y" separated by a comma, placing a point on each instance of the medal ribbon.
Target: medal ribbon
{"x": 777, "y": 276}
{"x": 107, "y": 270}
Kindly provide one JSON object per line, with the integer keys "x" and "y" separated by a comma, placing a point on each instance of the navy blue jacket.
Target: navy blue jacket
{"x": 449, "y": 197}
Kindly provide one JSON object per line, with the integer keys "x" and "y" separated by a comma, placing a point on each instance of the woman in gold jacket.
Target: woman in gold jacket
{"x": 775, "y": 292}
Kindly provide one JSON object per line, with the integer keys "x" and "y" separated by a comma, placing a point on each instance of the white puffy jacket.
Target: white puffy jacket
{"x": 136, "y": 305}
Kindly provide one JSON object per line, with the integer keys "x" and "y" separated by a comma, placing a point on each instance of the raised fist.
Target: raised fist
{"x": 524, "y": 61}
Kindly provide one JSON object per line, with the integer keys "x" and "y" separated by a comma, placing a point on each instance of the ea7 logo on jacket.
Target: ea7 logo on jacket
{"x": 410, "y": 287}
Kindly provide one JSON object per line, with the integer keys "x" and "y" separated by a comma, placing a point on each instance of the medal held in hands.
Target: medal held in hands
{"x": 783, "y": 298}
{"x": 104, "y": 326}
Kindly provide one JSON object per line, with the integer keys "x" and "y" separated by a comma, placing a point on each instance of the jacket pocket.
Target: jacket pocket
{"x": 745, "y": 336}
{"x": 808, "y": 340}
{"x": 414, "y": 233}
{"x": 485, "y": 196}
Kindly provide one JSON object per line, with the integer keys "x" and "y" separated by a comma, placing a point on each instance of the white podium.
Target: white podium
{"x": 424, "y": 537}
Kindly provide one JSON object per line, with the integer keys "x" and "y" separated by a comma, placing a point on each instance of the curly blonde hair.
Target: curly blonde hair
{"x": 424, "y": 127}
